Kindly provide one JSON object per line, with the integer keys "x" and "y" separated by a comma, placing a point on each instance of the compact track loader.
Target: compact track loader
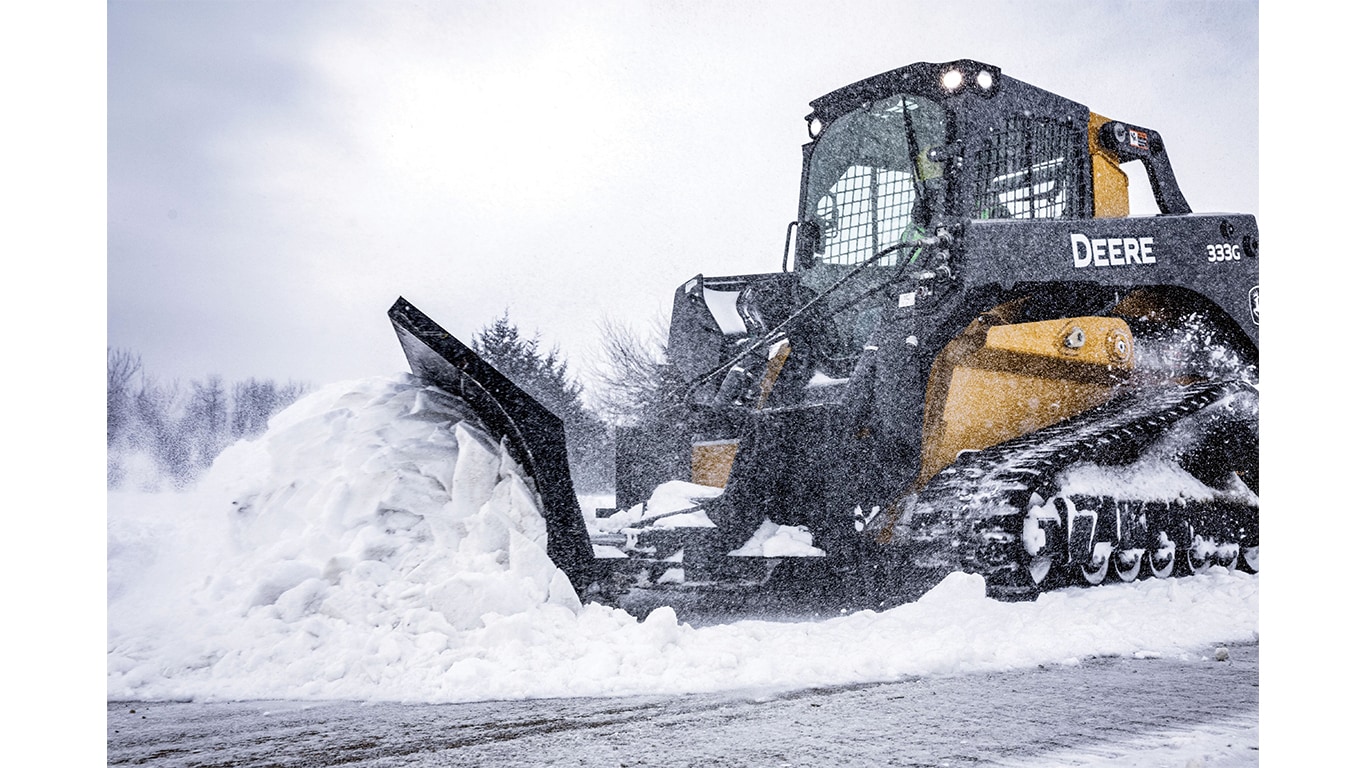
{"x": 973, "y": 358}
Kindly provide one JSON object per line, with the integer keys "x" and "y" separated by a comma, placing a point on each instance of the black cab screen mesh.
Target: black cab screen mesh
{"x": 1031, "y": 170}
{"x": 867, "y": 176}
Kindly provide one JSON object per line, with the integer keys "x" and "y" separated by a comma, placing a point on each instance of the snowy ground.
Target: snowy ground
{"x": 373, "y": 546}
{"x": 1228, "y": 743}
{"x": 1157, "y": 713}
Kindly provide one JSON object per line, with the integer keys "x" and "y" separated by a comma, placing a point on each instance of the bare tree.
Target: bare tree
{"x": 181, "y": 432}
{"x": 643, "y": 397}
{"x": 631, "y": 372}
{"x": 122, "y": 366}
{"x": 204, "y": 428}
{"x": 159, "y": 432}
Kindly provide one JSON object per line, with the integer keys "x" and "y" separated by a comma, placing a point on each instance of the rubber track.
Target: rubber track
{"x": 996, "y": 483}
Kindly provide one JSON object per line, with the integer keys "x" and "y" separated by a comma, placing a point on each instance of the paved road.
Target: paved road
{"x": 976, "y": 720}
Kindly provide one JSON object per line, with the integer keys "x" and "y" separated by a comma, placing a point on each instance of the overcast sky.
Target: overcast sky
{"x": 278, "y": 173}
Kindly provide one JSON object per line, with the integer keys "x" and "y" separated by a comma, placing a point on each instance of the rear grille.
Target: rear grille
{"x": 1031, "y": 170}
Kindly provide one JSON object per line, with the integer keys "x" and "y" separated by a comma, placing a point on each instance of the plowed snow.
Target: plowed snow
{"x": 375, "y": 544}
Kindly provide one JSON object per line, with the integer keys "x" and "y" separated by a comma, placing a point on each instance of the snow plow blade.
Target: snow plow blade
{"x": 533, "y": 435}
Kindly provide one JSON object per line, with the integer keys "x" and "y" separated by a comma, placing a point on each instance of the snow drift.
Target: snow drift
{"x": 376, "y": 544}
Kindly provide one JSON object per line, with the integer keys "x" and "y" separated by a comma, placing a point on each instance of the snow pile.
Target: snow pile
{"x": 373, "y": 522}
{"x": 375, "y": 544}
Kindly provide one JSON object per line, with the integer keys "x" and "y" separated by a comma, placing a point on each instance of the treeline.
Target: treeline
{"x": 163, "y": 434}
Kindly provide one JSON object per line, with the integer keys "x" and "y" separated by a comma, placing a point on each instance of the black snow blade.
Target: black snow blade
{"x": 534, "y": 436}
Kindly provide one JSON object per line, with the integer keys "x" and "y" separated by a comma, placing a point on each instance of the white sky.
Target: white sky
{"x": 279, "y": 172}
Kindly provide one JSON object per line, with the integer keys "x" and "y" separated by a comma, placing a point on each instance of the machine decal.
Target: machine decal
{"x": 1223, "y": 252}
{"x": 1254, "y": 304}
{"x": 1111, "y": 251}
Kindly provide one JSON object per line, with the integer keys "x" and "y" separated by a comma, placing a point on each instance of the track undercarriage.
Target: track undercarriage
{"x": 1154, "y": 483}
{"x": 1157, "y": 483}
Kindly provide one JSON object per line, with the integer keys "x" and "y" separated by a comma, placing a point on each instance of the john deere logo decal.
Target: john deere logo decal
{"x": 1111, "y": 251}
{"x": 1252, "y": 297}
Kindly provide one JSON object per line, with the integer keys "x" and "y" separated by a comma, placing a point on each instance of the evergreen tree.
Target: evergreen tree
{"x": 545, "y": 376}
{"x": 255, "y": 401}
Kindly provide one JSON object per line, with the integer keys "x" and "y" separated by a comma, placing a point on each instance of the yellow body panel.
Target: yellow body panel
{"x": 712, "y": 461}
{"x": 771, "y": 371}
{"x": 1110, "y": 184}
{"x": 996, "y": 382}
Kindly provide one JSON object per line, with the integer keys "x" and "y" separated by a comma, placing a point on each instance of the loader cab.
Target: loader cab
{"x": 931, "y": 144}
{"x": 870, "y": 183}
{"x": 899, "y": 155}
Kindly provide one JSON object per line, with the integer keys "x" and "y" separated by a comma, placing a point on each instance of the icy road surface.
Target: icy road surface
{"x": 1111, "y": 713}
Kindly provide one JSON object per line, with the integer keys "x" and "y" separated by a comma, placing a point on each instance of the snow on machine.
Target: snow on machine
{"x": 972, "y": 359}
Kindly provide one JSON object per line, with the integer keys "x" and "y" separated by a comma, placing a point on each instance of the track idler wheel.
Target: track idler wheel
{"x": 1091, "y": 538}
{"x": 1198, "y": 554}
{"x": 1160, "y": 548}
{"x": 1093, "y": 571}
{"x": 1160, "y": 556}
{"x": 1217, "y": 535}
{"x": 1041, "y": 539}
{"x": 1131, "y": 522}
{"x": 1022, "y": 552}
{"x": 1226, "y": 555}
{"x": 1127, "y": 563}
